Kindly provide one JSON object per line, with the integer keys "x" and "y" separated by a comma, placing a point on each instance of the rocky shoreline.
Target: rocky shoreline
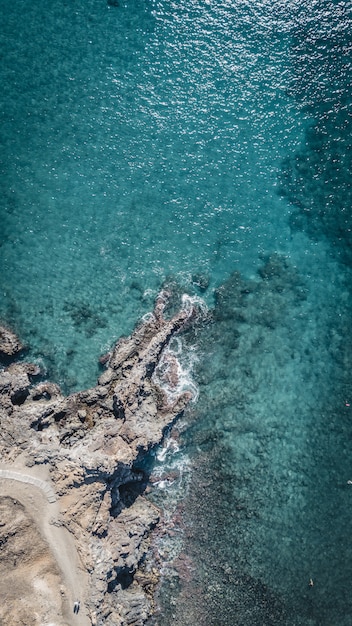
{"x": 86, "y": 448}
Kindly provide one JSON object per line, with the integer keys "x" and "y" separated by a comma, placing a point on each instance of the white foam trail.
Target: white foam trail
{"x": 191, "y": 302}
{"x": 176, "y": 345}
{"x": 147, "y": 316}
{"x": 171, "y": 445}
{"x": 173, "y": 377}
{"x": 174, "y": 370}
{"x": 174, "y": 468}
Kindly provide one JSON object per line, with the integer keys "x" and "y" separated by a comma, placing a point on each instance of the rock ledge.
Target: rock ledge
{"x": 87, "y": 445}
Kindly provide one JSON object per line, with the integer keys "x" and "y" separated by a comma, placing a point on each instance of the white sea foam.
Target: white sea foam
{"x": 189, "y": 302}
{"x": 147, "y": 317}
{"x": 172, "y": 460}
{"x": 174, "y": 377}
{"x": 176, "y": 346}
{"x": 174, "y": 373}
{"x": 170, "y": 446}
{"x": 173, "y": 469}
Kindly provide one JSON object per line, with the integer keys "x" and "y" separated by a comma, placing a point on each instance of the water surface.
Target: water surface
{"x": 207, "y": 143}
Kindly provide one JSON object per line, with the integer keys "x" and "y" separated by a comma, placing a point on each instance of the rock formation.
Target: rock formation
{"x": 9, "y": 343}
{"x": 87, "y": 448}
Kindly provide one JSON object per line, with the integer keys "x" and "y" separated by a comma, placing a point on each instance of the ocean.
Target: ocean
{"x": 204, "y": 145}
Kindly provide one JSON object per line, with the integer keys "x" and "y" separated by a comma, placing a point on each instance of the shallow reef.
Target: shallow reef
{"x": 84, "y": 451}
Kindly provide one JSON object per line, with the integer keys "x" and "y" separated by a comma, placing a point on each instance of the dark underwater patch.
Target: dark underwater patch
{"x": 85, "y": 317}
{"x": 268, "y": 440}
{"x": 316, "y": 180}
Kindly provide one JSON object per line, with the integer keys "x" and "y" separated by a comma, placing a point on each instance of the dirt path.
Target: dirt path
{"x": 30, "y": 480}
{"x": 39, "y": 499}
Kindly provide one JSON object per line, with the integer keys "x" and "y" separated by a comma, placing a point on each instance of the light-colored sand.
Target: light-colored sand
{"x": 33, "y": 490}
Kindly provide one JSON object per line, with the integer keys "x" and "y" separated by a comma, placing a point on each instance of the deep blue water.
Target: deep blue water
{"x": 208, "y": 143}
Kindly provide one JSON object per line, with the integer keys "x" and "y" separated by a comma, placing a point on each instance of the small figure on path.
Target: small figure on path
{"x": 76, "y": 606}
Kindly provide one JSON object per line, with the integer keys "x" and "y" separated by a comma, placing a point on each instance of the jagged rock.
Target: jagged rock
{"x": 129, "y": 531}
{"x": 9, "y": 342}
{"x": 88, "y": 444}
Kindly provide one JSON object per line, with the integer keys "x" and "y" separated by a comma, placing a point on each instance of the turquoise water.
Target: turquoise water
{"x": 157, "y": 140}
{"x": 136, "y": 144}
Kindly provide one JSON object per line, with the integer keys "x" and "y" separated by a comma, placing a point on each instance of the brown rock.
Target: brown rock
{"x": 88, "y": 443}
{"x": 9, "y": 342}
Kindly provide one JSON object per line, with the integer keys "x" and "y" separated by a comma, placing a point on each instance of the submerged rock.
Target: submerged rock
{"x": 85, "y": 447}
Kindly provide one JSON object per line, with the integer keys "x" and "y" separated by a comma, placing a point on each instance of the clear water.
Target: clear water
{"x": 191, "y": 140}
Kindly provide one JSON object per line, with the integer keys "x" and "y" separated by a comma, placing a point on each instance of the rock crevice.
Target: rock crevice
{"x": 85, "y": 447}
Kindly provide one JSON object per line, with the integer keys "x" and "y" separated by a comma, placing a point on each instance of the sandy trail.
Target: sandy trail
{"x": 38, "y": 496}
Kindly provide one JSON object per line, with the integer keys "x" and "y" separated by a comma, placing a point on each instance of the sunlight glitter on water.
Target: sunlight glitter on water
{"x": 183, "y": 142}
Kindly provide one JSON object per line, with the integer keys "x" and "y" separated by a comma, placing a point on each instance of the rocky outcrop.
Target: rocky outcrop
{"x": 91, "y": 444}
{"x": 9, "y": 342}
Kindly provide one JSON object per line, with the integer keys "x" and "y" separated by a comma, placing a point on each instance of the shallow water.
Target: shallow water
{"x": 152, "y": 141}
{"x": 140, "y": 142}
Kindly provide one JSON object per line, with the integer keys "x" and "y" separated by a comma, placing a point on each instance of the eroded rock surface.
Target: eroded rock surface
{"x": 86, "y": 446}
{"x": 9, "y": 342}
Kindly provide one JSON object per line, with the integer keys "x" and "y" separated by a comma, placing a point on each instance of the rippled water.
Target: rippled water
{"x": 140, "y": 142}
{"x": 160, "y": 140}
